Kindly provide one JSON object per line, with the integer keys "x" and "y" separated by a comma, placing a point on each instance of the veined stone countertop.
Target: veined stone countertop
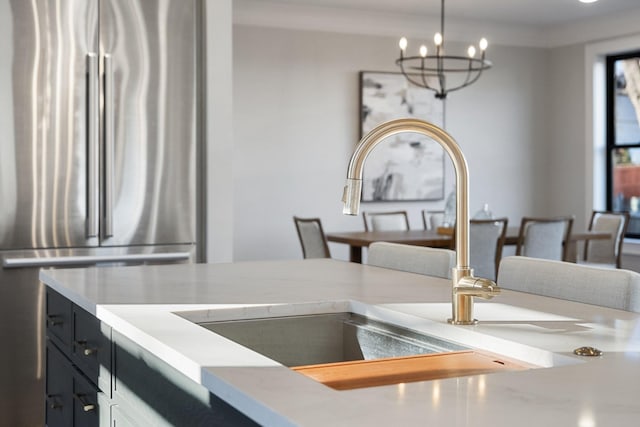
{"x": 157, "y": 307}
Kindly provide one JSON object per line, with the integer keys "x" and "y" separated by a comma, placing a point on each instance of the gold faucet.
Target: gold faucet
{"x": 465, "y": 286}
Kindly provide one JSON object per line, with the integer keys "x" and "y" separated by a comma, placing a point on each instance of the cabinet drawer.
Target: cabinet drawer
{"x": 86, "y": 408}
{"x": 59, "y": 389}
{"x": 91, "y": 344}
{"x": 59, "y": 319}
{"x": 72, "y": 400}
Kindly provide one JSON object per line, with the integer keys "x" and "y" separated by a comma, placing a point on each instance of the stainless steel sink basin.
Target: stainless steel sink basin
{"x": 327, "y": 338}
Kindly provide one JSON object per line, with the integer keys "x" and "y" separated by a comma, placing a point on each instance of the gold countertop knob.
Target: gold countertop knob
{"x": 587, "y": 351}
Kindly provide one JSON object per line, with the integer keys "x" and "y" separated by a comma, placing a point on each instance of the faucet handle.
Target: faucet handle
{"x": 477, "y": 286}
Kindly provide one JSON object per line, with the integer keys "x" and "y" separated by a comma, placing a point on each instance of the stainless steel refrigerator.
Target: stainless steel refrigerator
{"x": 99, "y": 153}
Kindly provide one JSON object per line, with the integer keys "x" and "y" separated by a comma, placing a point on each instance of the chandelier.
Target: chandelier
{"x": 440, "y": 72}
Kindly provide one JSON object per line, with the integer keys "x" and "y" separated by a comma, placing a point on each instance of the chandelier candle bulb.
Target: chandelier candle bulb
{"x": 471, "y": 51}
{"x": 403, "y": 45}
{"x": 483, "y": 44}
{"x": 423, "y": 51}
{"x": 437, "y": 39}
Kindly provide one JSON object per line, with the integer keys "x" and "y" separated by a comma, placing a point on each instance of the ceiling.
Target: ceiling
{"x": 531, "y": 23}
{"x": 530, "y": 12}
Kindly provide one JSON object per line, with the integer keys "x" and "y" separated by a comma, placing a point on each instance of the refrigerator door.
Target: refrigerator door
{"x": 48, "y": 199}
{"x": 148, "y": 60}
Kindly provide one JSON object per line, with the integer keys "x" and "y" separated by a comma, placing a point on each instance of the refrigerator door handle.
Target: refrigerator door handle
{"x": 55, "y": 261}
{"x": 109, "y": 139}
{"x": 93, "y": 135}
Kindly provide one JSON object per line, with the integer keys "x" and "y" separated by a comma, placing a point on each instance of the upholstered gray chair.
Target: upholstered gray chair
{"x": 384, "y": 221}
{"x": 486, "y": 240}
{"x": 312, "y": 238}
{"x": 544, "y": 237}
{"x": 606, "y": 253}
{"x": 414, "y": 259}
{"x": 432, "y": 219}
{"x": 611, "y": 288}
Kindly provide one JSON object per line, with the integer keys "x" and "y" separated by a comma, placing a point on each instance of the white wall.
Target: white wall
{"x": 501, "y": 124}
{"x": 218, "y": 187}
{"x": 567, "y": 175}
{"x": 295, "y": 123}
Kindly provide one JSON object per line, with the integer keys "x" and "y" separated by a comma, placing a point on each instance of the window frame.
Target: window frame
{"x": 611, "y": 145}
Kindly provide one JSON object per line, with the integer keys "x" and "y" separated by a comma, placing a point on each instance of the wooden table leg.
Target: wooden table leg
{"x": 355, "y": 254}
{"x": 572, "y": 252}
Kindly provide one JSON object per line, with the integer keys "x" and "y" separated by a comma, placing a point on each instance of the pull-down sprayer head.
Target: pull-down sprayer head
{"x": 351, "y": 196}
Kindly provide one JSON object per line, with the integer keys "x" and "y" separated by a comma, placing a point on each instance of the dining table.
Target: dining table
{"x": 438, "y": 239}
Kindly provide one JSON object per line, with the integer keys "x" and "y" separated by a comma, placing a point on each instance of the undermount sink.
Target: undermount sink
{"x": 328, "y": 338}
{"x": 348, "y": 344}
{"x": 345, "y": 350}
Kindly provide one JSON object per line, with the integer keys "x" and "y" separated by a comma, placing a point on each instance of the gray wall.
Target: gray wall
{"x": 295, "y": 110}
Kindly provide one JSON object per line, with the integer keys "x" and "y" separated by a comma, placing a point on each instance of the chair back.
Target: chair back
{"x": 544, "y": 237}
{"x": 486, "y": 240}
{"x": 312, "y": 238}
{"x": 432, "y": 219}
{"x": 606, "y": 252}
{"x": 413, "y": 259}
{"x": 385, "y": 221}
{"x": 619, "y": 289}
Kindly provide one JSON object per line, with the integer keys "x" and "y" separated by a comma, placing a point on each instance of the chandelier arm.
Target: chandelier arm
{"x": 470, "y": 82}
{"x": 422, "y": 84}
{"x": 442, "y": 79}
{"x": 476, "y": 77}
{"x": 469, "y": 71}
{"x": 424, "y": 76}
{"x": 407, "y": 76}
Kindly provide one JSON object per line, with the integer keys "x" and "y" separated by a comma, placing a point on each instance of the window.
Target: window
{"x": 623, "y": 137}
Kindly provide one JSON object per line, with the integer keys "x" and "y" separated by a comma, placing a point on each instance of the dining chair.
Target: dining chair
{"x": 432, "y": 219}
{"x": 544, "y": 237}
{"x": 606, "y": 253}
{"x": 486, "y": 241}
{"x": 413, "y": 259}
{"x": 619, "y": 289}
{"x": 312, "y": 238}
{"x": 385, "y": 221}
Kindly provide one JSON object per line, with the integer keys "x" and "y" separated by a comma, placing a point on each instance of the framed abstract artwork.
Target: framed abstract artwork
{"x": 407, "y": 166}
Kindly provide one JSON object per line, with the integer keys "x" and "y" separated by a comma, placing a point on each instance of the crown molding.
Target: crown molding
{"x": 273, "y": 14}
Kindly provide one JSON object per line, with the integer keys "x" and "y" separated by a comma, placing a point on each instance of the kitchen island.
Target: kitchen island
{"x": 158, "y": 309}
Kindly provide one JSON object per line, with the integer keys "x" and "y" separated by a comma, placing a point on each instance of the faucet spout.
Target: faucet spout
{"x": 465, "y": 286}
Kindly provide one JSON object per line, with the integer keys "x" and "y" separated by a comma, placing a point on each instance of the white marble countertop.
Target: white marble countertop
{"x": 156, "y": 306}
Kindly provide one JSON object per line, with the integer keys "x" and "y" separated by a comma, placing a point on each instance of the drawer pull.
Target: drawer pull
{"x": 86, "y": 406}
{"x": 53, "y": 402}
{"x": 54, "y": 320}
{"x": 86, "y": 350}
